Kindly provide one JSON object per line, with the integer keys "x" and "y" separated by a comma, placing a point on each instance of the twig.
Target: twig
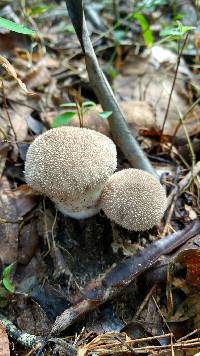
{"x": 7, "y": 112}
{"x": 109, "y": 344}
{"x": 24, "y": 339}
{"x": 4, "y": 221}
{"x": 182, "y": 122}
{"x": 173, "y": 203}
{"x": 80, "y": 117}
{"x": 118, "y": 126}
{"x": 188, "y": 335}
{"x": 145, "y": 301}
{"x": 183, "y": 119}
{"x": 184, "y": 183}
{"x": 173, "y": 84}
{"x": 167, "y": 347}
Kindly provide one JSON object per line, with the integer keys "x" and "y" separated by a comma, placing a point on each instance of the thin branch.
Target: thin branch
{"x": 184, "y": 183}
{"x": 183, "y": 119}
{"x": 173, "y": 84}
{"x": 24, "y": 339}
{"x": 7, "y": 111}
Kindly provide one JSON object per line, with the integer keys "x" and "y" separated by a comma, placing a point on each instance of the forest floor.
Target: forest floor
{"x": 50, "y": 263}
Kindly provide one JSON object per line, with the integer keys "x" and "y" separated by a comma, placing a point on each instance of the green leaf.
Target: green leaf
{"x": 176, "y": 32}
{"x": 146, "y": 31}
{"x": 68, "y": 105}
{"x": 38, "y": 10}
{"x": 12, "y": 26}
{"x": 7, "y": 270}
{"x": 105, "y": 114}
{"x": 63, "y": 119}
{"x": 8, "y": 285}
{"x": 88, "y": 104}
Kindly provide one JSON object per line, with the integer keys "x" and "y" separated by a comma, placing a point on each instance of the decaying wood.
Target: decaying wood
{"x": 119, "y": 277}
{"x": 24, "y": 339}
{"x": 118, "y": 126}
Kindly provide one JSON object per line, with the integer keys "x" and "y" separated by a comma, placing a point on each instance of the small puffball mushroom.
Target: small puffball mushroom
{"x": 134, "y": 199}
{"x": 71, "y": 165}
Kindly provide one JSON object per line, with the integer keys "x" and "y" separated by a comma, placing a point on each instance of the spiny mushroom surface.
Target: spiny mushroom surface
{"x": 134, "y": 199}
{"x": 71, "y": 165}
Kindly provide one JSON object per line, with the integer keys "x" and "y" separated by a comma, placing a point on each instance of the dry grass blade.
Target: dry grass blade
{"x": 11, "y": 71}
{"x": 120, "y": 343}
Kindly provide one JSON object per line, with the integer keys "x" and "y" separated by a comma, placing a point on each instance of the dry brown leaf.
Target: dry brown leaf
{"x": 26, "y": 199}
{"x": 11, "y": 71}
{"x": 138, "y": 114}
{"x": 13, "y": 205}
{"x": 38, "y": 75}
{"x": 150, "y": 79}
{"x": 4, "y": 342}
{"x": 8, "y": 228}
{"x": 18, "y": 122}
{"x": 191, "y": 259}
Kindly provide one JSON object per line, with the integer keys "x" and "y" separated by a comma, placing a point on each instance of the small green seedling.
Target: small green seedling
{"x": 146, "y": 31}
{"x": 175, "y": 33}
{"x": 105, "y": 114}
{"x": 6, "y": 286}
{"x": 65, "y": 118}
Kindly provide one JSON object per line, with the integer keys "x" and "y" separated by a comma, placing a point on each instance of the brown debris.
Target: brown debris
{"x": 115, "y": 281}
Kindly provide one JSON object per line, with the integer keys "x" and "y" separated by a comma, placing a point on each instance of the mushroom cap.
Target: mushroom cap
{"x": 68, "y": 163}
{"x": 134, "y": 199}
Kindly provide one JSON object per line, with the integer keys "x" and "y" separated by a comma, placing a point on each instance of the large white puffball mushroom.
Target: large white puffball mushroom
{"x": 71, "y": 165}
{"x": 134, "y": 199}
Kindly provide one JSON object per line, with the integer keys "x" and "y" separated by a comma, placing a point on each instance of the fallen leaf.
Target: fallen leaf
{"x": 14, "y": 204}
{"x": 10, "y": 42}
{"x": 9, "y": 227}
{"x": 26, "y": 199}
{"x": 138, "y": 114}
{"x": 150, "y": 79}
{"x": 4, "y": 148}
{"x": 4, "y": 342}
{"x": 28, "y": 242}
{"x": 191, "y": 259}
{"x": 31, "y": 318}
{"x": 38, "y": 75}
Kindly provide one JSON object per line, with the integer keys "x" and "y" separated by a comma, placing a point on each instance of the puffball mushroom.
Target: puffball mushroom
{"x": 71, "y": 165}
{"x": 134, "y": 199}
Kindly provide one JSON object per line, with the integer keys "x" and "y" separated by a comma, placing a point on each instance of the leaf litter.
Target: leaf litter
{"x": 60, "y": 262}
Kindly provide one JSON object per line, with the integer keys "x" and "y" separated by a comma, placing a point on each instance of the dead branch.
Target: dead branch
{"x": 24, "y": 339}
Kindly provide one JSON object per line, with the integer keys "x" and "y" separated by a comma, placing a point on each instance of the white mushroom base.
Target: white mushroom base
{"x": 82, "y": 207}
{"x": 83, "y": 214}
